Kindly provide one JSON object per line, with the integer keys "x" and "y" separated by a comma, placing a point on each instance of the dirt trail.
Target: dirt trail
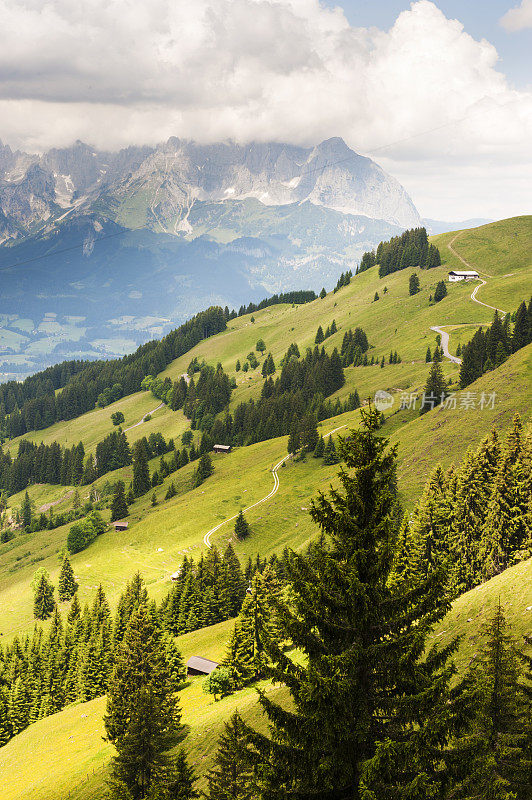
{"x": 207, "y": 537}
{"x": 148, "y": 414}
{"x": 473, "y": 296}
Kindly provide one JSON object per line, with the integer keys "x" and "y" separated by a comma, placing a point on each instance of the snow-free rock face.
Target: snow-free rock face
{"x": 163, "y": 183}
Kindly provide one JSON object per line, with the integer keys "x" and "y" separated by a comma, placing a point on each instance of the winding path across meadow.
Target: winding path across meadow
{"x": 439, "y": 329}
{"x": 207, "y": 537}
{"x": 147, "y": 414}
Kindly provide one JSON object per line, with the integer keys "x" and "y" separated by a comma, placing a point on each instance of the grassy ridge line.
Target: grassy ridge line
{"x": 502, "y": 248}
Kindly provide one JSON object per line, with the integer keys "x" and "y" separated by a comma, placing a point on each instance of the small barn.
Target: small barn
{"x": 196, "y": 665}
{"x": 120, "y": 525}
{"x": 222, "y": 448}
{"x": 463, "y": 275}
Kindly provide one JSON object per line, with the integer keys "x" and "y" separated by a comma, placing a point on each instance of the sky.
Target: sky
{"x": 439, "y": 93}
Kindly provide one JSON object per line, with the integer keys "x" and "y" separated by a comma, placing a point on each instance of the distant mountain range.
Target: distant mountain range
{"x": 435, "y": 226}
{"x": 100, "y": 251}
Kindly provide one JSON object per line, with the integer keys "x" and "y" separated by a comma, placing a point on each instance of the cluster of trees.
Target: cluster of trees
{"x": 205, "y": 592}
{"x": 67, "y": 466}
{"x": 354, "y": 345}
{"x": 74, "y": 660}
{"x": 84, "y": 532}
{"x": 300, "y": 389}
{"x": 437, "y": 355}
{"x": 268, "y": 366}
{"x": 488, "y": 349}
{"x": 376, "y": 711}
{"x": 477, "y": 516}
{"x": 321, "y": 336}
{"x": 205, "y": 398}
{"x": 43, "y": 589}
{"x": 112, "y": 453}
{"x": 41, "y": 464}
{"x": 410, "y": 249}
{"x": 343, "y": 280}
{"x": 298, "y": 297}
{"x": 26, "y": 410}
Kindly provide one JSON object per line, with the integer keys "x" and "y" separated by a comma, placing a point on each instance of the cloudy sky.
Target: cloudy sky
{"x": 440, "y": 93}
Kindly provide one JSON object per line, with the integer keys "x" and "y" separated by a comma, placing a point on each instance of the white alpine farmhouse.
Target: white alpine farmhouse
{"x": 463, "y": 275}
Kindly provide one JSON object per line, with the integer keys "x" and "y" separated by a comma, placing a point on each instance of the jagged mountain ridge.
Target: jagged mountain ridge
{"x": 157, "y": 187}
{"x": 100, "y": 251}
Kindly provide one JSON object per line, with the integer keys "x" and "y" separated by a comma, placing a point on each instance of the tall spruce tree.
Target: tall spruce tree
{"x": 26, "y": 511}
{"x": 330, "y": 456}
{"x": 256, "y": 626}
{"x": 242, "y": 529}
{"x": 141, "y": 473}
{"x": 119, "y": 507}
{"x": 231, "y": 777}
{"x": 435, "y": 388}
{"x": 174, "y": 782}
{"x": 143, "y": 716}
{"x": 67, "y": 586}
{"x": 362, "y": 724}
{"x": 43, "y": 602}
{"x": 492, "y": 757}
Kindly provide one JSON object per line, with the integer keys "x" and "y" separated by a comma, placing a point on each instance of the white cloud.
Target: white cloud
{"x": 518, "y": 18}
{"x": 123, "y": 71}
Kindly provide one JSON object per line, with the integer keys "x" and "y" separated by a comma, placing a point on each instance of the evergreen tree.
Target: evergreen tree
{"x": 170, "y": 492}
{"x": 376, "y": 297}
{"x": 43, "y": 602}
{"x": 413, "y": 284}
{"x": 492, "y": 759}
{"x": 204, "y": 469}
{"x": 320, "y": 448}
{"x": 142, "y": 717}
{"x": 293, "y": 438}
{"x": 330, "y": 456}
{"x": 257, "y": 626}
{"x": 308, "y": 433}
{"x": 119, "y": 507}
{"x": 74, "y": 613}
{"x": 141, "y": 473}
{"x": 363, "y": 723}
{"x": 425, "y": 539}
{"x": 521, "y": 332}
{"x": 174, "y": 782}
{"x": 428, "y": 356}
{"x": 26, "y": 511}
{"x": 435, "y": 388}
{"x": 440, "y": 292}
{"x": 67, "y": 586}
{"x": 242, "y": 529}
{"x": 323, "y": 293}
{"x": 231, "y": 777}
{"x": 318, "y": 339}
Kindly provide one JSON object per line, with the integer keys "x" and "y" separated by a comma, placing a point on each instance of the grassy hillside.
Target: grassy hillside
{"x": 501, "y": 252}
{"x": 66, "y": 750}
{"x": 471, "y": 611}
{"x": 65, "y": 756}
